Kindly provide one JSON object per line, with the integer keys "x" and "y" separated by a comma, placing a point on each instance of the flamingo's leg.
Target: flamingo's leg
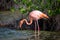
{"x": 38, "y": 28}
{"x": 35, "y": 30}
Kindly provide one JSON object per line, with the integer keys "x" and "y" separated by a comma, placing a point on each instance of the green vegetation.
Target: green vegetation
{"x": 49, "y": 6}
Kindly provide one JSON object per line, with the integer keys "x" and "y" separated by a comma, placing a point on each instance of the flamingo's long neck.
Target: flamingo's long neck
{"x": 28, "y": 23}
{"x": 24, "y": 20}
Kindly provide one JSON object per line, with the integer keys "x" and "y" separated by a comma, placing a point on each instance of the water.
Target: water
{"x": 9, "y": 34}
{"x": 12, "y": 34}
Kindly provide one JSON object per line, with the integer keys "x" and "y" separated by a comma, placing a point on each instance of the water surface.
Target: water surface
{"x": 9, "y": 34}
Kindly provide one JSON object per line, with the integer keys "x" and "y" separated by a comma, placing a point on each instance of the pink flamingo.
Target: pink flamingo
{"x": 34, "y": 15}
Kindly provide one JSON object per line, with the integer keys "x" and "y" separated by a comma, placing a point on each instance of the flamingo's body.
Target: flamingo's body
{"x": 34, "y": 15}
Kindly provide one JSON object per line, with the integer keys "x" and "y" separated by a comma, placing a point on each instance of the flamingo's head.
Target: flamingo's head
{"x": 21, "y": 22}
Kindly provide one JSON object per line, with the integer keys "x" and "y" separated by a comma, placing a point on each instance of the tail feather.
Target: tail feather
{"x": 45, "y": 16}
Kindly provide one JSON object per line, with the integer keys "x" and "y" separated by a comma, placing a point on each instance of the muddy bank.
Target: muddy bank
{"x": 9, "y": 18}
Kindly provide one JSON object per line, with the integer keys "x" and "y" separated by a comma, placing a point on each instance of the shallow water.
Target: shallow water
{"x": 12, "y": 34}
{"x": 9, "y": 34}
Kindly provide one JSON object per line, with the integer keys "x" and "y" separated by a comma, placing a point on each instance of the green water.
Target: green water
{"x": 9, "y": 34}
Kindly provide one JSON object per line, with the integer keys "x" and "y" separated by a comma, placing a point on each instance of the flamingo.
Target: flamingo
{"x": 34, "y": 15}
